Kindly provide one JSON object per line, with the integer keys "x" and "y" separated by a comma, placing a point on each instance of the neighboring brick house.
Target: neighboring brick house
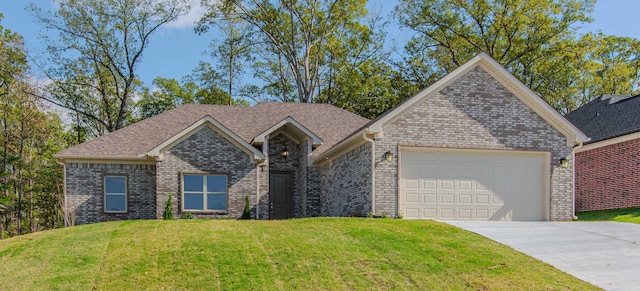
{"x": 477, "y": 144}
{"x": 608, "y": 166}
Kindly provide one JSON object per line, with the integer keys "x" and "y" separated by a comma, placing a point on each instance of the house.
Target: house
{"x": 476, "y": 145}
{"x": 608, "y": 166}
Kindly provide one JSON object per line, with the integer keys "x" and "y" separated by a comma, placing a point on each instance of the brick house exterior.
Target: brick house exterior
{"x": 336, "y": 163}
{"x": 607, "y": 172}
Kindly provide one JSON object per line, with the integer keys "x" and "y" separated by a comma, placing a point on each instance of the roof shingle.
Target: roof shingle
{"x": 330, "y": 123}
{"x": 607, "y": 117}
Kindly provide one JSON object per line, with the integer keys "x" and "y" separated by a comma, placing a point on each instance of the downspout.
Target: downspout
{"x": 373, "y": 171}
{"x": 257, "y": 190}
{"x": 573, "y": 179}
{"x": 64, "y": 191}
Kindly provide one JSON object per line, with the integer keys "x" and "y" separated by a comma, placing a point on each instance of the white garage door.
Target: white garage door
{"x": 472, "y": 185}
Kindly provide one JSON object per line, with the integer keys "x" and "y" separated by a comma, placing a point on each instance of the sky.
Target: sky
{"x": 176, "y": 49}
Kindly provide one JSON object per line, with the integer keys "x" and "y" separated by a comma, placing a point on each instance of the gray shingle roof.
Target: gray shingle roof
{"x": 607, "y": 117}
{"x": 330, "y": 123}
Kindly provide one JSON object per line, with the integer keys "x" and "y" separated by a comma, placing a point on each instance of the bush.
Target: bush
{"x": 246, "y": 214}
{"x": 168, "y": 210}
{"x": 186, "y": 216}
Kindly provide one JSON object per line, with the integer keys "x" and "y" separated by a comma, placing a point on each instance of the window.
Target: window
{"x": 204, "y": 192}
{"x": 115, "y": 194}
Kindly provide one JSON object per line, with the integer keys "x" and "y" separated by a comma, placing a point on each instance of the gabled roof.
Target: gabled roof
{"x": 328, "y": 123}
{"x": 607, "y": 117}
{"x": 221, "y": 129}
{"x": 296, "y": 126}
{"x": 498, "y": 72}
{"x": 505, "y": 78}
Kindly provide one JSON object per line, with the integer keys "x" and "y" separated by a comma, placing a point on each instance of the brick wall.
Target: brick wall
{"x": 474, "y": 112}
{"x": 608, "y": 177}
{"x": 207, "y": 152}
{"x": 345, "y": 184}
{"x": 85, "y": 194}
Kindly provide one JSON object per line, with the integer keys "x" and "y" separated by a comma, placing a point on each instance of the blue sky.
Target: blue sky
{"x": 176, "y": 50}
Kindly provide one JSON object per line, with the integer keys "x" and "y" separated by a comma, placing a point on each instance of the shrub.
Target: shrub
{"x": 168, "y": 210}
{"x": 186, "y": 216}
{"x": 246, "y": 214}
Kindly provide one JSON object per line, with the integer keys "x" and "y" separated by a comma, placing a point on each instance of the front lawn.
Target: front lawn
{"x": 300, "y": 254}
{"x": 621, "y": 215}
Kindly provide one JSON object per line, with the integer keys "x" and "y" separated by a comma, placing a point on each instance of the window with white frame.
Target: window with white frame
{"x": 115, "y": 194}
{"x": 204, "y": 192}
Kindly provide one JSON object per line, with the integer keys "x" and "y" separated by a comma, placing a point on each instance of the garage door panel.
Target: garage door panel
{"x": 465, "y": 214}
{"x": 412, "y": 213}
{"x": 446, "y": 213}
{"x": 447, "y": 184}
{"x": 481, "y": 186}
{"x": 430, "y": 213}
{"x": 482, "y": 199}
{"x": 482, "y": 214}
{"x": 412, "y": 184}
{"x": 465, "y": 185}
{"x": 412, "y": 198}
{"x": 430, "y": 184}
{"x": 447, "y": 198}
{"x": 465, "y": 199}
{"x": 430, "y": 198}
{"x": 472, "y": 186}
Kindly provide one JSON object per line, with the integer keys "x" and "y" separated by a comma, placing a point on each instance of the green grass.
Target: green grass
{"x": 622, "y": 215}
{"x": 302, "y": 254}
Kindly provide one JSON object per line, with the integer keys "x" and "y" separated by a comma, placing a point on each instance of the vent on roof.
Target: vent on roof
{"x": 614, "y": 98}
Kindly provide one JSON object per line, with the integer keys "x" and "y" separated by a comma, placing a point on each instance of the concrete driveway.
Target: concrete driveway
{"x": 605, "y": 254}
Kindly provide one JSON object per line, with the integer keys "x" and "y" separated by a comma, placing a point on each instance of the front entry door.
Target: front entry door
{"x": 280, "y": 195}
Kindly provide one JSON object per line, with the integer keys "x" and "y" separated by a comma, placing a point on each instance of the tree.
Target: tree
{"x": 529, "y": 38}
{"x": 94, "y": 60}
{"x": 611, "y": 66}
{"x": 231, "y": 51}
{"x": 197, "y": 88}
{"x": 295, "y": 37}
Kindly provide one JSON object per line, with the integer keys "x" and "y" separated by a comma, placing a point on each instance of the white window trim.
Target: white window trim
{"x": 204, "y": 193}
{"x": 125, "y": 194}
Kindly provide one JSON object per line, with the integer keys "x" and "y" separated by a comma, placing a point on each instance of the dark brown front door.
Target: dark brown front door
{"x": 280, "y": 195}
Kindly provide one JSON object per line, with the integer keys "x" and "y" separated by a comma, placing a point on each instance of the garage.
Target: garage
{"x": 473, "y": 185}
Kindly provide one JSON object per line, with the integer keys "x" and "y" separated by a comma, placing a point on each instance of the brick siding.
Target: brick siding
{"x": 608, "y": 177}
{"x": 345, "y": 184}
{"x": 85, "y": 194}
{"x": 207, "y": 152}
{"x": 474, "y": 112}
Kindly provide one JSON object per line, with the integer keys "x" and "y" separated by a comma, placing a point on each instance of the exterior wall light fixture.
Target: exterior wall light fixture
{"x": 285, "y": 151}
{"x": 564, "y": 162}
{"x": 388, "y": 156}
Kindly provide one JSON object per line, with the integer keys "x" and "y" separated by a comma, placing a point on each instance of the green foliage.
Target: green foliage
{"x": 246, "y": 213}
{"x": 197, "y": 88}
{"x": 535, "y": 40}
{"x": 95, "y": 57}
{"x": 168, "y": 209}
{"x": 297, "y": 42}
{"x": 187, "y": 216}
{"x": 622, "y": 215}
{"x": 30, "y": 179}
